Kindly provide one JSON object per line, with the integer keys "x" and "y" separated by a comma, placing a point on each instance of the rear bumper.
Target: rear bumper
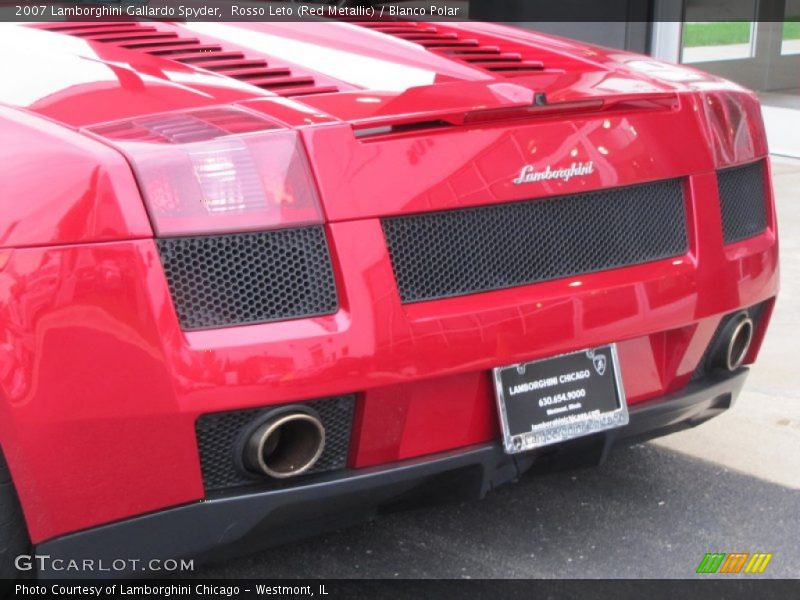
{"x": 232, "y": 525}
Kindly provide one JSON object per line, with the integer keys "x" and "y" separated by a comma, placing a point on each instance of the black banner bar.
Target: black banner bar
{"x": 529, "y": 11}
{"x": 720, "y": 587}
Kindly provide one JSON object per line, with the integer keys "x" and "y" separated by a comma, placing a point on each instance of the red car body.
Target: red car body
{"x": 100, "y": 386}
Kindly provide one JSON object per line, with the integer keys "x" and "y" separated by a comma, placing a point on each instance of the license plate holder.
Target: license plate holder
{"x": 556, "y": 399}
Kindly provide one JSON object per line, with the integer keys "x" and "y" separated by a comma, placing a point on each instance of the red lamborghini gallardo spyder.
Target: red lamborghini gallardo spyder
{"x": 262, "y": 279}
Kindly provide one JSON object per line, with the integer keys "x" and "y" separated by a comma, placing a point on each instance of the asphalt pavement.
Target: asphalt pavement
{"x": 651, "y": 511}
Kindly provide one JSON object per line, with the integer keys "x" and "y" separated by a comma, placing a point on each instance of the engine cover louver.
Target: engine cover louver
{"x": 170, "y": 45}
{"x": 490, "y": 56}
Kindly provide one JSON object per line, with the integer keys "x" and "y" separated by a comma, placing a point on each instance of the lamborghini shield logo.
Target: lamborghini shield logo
{"x": 599, "y": 361}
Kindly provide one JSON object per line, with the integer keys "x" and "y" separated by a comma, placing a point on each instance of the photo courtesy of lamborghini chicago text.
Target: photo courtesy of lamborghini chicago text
{"x": 443, "y": 298}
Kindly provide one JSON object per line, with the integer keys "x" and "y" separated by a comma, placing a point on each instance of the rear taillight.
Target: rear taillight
{"x": 733, "y": 126}
{"x": 217, "y": 170}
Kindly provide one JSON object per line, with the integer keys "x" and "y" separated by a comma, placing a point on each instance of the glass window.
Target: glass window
{"x": 706, "y": 37}
{"x": 790, "y": 42}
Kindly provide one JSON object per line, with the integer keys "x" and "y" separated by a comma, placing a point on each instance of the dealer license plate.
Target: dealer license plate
{"x": 557, "y": 399}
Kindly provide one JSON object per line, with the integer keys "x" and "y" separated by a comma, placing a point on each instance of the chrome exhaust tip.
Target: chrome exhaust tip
{"x": 286, "y": 445}
{"x": 737, "y": 339}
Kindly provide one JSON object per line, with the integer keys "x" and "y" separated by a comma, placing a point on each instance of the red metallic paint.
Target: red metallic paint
{"x": 58, "y": 187}
{"x": 99, "y": 387}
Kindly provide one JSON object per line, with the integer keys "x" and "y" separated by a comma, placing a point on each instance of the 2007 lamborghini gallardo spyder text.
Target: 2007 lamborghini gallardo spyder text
{"x": 263, "y": 279}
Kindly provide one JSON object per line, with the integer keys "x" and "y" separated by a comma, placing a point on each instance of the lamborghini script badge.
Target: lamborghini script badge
{"x": 529, "y": 174}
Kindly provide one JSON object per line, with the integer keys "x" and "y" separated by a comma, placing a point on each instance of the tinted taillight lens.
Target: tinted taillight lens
{"x": 734, "y": 127}
{"x": 217, "y": 170}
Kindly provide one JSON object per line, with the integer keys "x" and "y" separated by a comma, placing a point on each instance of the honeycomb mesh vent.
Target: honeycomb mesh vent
{"x": 742, "y": 201}
{"x": 218, "y": 435}
{"x": 445, "y": 254}
{"x": 236, "y": 279}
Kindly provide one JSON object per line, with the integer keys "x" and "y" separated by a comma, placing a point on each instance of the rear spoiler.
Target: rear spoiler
{"x": 457, "y": 104}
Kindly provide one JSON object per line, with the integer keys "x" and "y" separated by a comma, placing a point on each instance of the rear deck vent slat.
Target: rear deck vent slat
{"x": 191, "y": 57}
{"x": 402, "y": 30}
{"x": 249, "y": 73}
{"x": 305, "y": 90}
{"x": 223, "y": 64}
{"x": 273, "y": 81}
{"x": 73, "y": 27}
{"x": 112, "y": 31}
{"x": 428, "y": 43}
{"x": 157, "y": 44}
{"x": 127, "y": 35}
{"x": 478, "y": 50}
{"x": 491, "y": 57}
{"x": 420, "y": 37}
{"x": 195, "y": 49}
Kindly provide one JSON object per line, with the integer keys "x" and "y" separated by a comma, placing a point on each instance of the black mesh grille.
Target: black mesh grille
{"x": 443, "y": 254}
{"x": 741, "y": 199}
{"x": 219, "y": 433}
{"x": 223, "y": 280}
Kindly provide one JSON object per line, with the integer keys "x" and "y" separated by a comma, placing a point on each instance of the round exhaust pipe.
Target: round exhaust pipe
{"x": 285, "y": 445}
{"x": 736, "y": 339}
